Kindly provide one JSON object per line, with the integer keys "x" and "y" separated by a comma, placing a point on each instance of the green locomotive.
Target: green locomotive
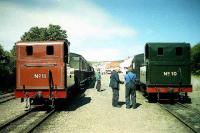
{"x": 166, "y": 69}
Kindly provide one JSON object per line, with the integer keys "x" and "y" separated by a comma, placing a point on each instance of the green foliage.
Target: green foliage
{"x": 195, "y": 59}
{"x": 8, "y": 59}
{"x": 13, "y": 51}
{"x": 7, "y": 70}
{"x": 52, "y": 33}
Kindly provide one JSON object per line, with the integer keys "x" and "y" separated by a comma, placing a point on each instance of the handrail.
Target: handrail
{"x": 51, "y": 83}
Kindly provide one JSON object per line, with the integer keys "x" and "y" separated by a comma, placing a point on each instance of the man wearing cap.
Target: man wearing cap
{"x": 114, "y": 84}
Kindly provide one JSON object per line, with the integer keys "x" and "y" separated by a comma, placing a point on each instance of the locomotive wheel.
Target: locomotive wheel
{"x": 184, "y": 98}
{"x": 142, "y": 89}
{"x": 152, "y": 98}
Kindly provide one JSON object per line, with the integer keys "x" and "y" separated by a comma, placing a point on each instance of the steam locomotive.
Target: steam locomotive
{"x": 163, "y": 71}
{"x": 46, "y": 71}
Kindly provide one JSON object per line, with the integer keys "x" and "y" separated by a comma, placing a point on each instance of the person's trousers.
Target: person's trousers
{"x": 115, "y": 97}
{"x": 130, "y": 94}
{"x": 98, "y": 86}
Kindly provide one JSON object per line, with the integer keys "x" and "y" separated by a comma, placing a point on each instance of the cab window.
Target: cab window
{"x": 29, "y": 50}
{"x": 179, "y": 51}
{"x": 160, "y": 51}
{"x": 49, "y": 50}
{"x": 147, "y": 51}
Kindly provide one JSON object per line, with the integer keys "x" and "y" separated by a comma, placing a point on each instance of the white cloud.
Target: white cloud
{"x": 84, "y": 22}
{"x": 99, "y": 54}
{"x": 110, "y": 53}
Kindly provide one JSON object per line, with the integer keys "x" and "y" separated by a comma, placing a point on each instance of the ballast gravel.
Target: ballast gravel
{"x": 93, "y": 113}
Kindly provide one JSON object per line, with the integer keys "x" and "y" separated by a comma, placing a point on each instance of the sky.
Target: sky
{"x": 104, "y": 30}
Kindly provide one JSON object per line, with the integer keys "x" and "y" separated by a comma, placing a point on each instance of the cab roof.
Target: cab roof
{"x": 166, "y": 44}
{"x": 42, "y": 42}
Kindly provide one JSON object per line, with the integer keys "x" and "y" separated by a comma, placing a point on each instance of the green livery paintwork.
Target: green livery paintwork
{"x": 166, "y": 64}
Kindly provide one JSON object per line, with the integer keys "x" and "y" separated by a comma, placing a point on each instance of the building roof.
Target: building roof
{"x": 113, "y": 64}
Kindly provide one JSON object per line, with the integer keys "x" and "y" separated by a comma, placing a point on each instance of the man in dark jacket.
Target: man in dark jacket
{"x": 114, "y": 84}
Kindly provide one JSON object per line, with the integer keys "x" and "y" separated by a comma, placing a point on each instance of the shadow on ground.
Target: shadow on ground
{"x": 138, "y": 105}
{"x": 121, "y": 103}
{"x": 73, "y": 103}
{"x": 103, "y": 90}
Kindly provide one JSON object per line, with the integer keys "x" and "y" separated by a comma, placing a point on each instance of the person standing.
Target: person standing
{"x": 130, "y": 89}
{"x": 98, "y": 79}
{"x": 114, "y": 84}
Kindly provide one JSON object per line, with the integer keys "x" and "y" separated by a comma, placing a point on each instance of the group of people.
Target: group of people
{"x": 130, "y": 93}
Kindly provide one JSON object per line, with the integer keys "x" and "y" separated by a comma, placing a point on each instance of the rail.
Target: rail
{"x": 186, "y": 115}
{"x": 7, "y": 126}
{"x": 7, "y": 123}
{"x": 36, "y": 124}
{"x": 6, "y": 97}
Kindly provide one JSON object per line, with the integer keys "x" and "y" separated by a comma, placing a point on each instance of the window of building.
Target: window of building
{"x": 179, "y": 51}
{"x": 49, "y": 50}
{"x": 160, "y": 51}
{"x": 29, "y": 50}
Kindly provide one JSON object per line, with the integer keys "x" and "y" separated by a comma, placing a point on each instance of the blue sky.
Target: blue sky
{"x": 104, "y": 29}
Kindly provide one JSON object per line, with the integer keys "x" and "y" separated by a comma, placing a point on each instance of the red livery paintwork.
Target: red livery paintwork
{"x": 167, "y": 89}
{"x": 44, "y": 93}
{"x": 34, "y": 63}
{"x": 46, "y": 71}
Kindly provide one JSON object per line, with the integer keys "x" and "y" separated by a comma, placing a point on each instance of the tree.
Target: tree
{"x": 8, "y": 59}
{"x": 7, "y": 70}
{"x": 4, "y": 61}
{"x": 52, "y": 33}
{"x": 195, "y": 59}
{"x": 13, "y": 51}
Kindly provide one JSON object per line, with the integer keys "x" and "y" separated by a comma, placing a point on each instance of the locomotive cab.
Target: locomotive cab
{"x": 167, "y": 68}
{"x": 41, "y": 69}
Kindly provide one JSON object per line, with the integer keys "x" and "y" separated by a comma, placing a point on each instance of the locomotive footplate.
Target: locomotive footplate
{"x": 168, "y": 93}
{"x": 168, "y": 89}
{"x": 43, "y": 93}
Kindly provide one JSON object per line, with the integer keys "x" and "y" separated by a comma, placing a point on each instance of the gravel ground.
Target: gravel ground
{"x": 10, "y": 109}
{"x": 94, "y": 113}
{"x": 195, "y": 95}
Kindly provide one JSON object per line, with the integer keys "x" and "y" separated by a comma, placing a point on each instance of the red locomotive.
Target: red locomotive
{"x": 45, "y": 73}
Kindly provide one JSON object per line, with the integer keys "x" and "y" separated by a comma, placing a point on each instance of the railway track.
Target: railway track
{"x": 26, "y": 122}
{"x": 185, "y": 114}
{"x": 6, "y": 97}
